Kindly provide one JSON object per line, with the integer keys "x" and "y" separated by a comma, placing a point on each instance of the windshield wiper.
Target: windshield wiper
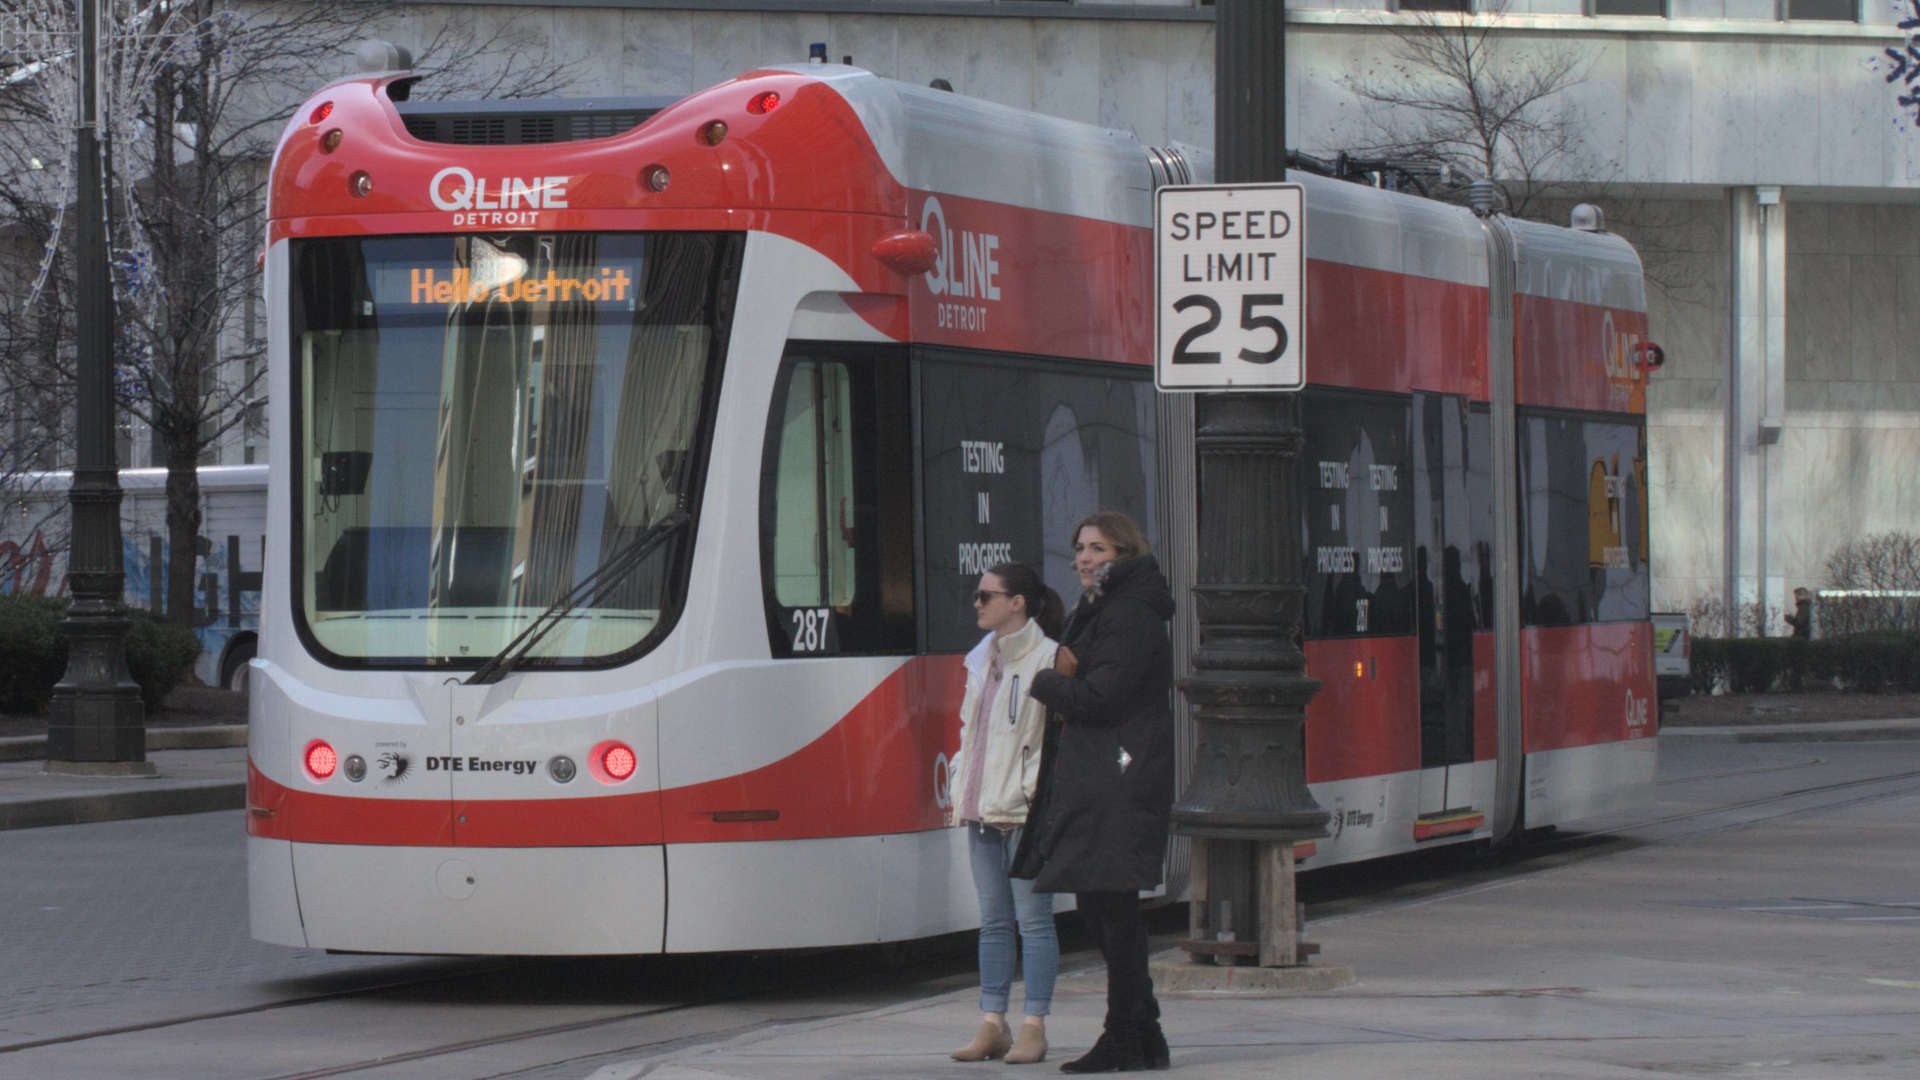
{"x": 590, "y": 589}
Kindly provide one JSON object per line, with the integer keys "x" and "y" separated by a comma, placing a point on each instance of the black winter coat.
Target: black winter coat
{"x": 1106, "y": 782}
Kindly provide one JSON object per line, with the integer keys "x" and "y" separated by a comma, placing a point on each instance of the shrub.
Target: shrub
{"x": 1707, "y": 663}
{"x": 159, "y": 655}
{"x": 1874, "y": 585}
{"x": 1878, "y": 661}
{"x": 33, "y": 653}
{"x": 1867, "y": 663}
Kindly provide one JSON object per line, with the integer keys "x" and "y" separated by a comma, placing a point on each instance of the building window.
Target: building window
{"x": 1437, "y": 5}
{"x": 1654, "y": 8}
{"x": 1830, "y": 10}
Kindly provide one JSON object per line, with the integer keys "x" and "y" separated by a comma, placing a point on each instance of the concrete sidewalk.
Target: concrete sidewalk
{"x": 211, "y": 775}
{"x": 1775, "y": 935}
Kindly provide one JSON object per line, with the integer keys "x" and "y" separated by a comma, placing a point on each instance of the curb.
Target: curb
{"x": 121, "y": 805}
{"x": 1830, "y": 731}
{"x": 213, "y": 736}
{"x": 1857, "y": 735}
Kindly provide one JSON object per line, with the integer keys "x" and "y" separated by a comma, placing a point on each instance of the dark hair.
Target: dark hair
{"x": 1129, "y": 542}
{"x": 1043, "y": 604}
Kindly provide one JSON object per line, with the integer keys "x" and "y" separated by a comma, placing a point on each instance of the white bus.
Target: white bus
{"x": 231, "y": 547}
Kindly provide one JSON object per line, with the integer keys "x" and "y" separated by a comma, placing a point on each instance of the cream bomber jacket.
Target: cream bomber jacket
{"x": 1015, "y": 723}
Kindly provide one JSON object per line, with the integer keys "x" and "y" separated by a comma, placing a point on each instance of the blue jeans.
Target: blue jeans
{"x": 1004, "y": 903}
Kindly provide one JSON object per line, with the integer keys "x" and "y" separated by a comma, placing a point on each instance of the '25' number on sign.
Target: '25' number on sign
{"x": 1250, "y": 320}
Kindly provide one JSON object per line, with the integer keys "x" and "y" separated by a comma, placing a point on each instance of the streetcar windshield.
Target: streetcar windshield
{"x": 482, "y": 422}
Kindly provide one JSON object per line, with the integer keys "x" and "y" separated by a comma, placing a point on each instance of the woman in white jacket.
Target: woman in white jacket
{"x": 993, "y": 779}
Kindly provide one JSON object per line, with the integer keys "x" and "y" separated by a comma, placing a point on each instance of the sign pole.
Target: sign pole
{"x": 1247, "y": 803}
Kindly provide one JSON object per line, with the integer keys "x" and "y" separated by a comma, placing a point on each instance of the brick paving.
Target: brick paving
{"x": 92, "y": 914}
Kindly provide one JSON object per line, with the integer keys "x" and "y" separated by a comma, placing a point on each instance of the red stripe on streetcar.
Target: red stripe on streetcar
{"x": 278, "y": 812}
{"x": 282, "y": 813}
{"x": 599, "y": 821}
{"x": 1486, "y": 703}
{"x": 1364, "y": 724}
{"x": 1571, "y": 355}
{"x": 1375, "y": 330}
{"x": 1587, "y": 684}
{"x": 872, "y": 773}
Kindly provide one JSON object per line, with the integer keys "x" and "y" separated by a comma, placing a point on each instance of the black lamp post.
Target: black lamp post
{"x": 1247, "y": 800}
{"x": 95, "y": 722}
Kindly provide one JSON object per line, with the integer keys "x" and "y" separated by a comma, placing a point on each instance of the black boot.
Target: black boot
{"x": 1153, "y": 1046}
{"x": 1113, "y": 1051}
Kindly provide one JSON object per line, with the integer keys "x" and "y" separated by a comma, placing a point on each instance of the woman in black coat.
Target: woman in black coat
{"x": 1108, "y": 778}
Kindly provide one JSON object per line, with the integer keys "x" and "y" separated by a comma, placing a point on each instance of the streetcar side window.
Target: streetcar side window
{"x": 836, "y": 510}
{"x": 1582, "y": 520}
{"x": 1013, "y": 453}
{"x": 1357, "y": 483}
{"x": 813, "y": 482}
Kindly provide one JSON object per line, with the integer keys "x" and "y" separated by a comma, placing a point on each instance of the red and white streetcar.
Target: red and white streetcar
{"x": 635, "y": 462}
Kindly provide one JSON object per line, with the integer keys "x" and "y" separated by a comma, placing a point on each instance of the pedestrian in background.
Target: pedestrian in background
{"x": 1802, "y": 618}
{"x": 994, "y": 778}
{"x": 1100, "y": 831}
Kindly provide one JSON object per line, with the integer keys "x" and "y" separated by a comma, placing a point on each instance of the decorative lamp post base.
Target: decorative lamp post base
{"x": 96, "y": 722}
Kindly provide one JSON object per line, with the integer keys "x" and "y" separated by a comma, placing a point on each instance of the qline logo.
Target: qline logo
{"x": 500, "y": 200}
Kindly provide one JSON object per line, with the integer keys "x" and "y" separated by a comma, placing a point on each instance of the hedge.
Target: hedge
{"x": 33, "y": 653}
{"x": 1868, "y": 663}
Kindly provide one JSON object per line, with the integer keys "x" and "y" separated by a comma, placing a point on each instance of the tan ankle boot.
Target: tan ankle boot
{"x": 1030, "y": 1047}
{"x": 991, "y": 1041}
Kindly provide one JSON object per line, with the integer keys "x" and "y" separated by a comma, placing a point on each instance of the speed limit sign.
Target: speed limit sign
{"x": 1230, "y": 290}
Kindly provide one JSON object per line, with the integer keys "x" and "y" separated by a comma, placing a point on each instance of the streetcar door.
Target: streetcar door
{"x": 1445, "y": 565}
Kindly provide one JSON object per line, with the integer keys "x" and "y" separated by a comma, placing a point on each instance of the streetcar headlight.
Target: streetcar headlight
{"x": 360, "y": 185}
{"x": 321, "y": 760}
{"x": 561, "y": 768}
{"x": 656, "y": 177}
{"x": 356, "y": 768}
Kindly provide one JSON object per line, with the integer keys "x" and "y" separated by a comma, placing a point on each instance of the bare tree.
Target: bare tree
{"x": 197, "y": 92}
{"x": 1460, "y": 90}
{"x": 1874, "y": 584}
{"x": 1468, "y": 93}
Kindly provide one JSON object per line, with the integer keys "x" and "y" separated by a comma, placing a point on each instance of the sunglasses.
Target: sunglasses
{"x": 985, "y": 596}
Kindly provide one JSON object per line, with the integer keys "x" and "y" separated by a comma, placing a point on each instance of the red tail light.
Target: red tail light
{"x": 618, "y": 761}
{"x": 321, "y": 112}
{"x": 764, "y": 102}
{"x": 321, "y": 760}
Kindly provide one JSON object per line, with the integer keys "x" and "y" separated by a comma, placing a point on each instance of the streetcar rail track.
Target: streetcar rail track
{"x": 244, "y": 1010}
